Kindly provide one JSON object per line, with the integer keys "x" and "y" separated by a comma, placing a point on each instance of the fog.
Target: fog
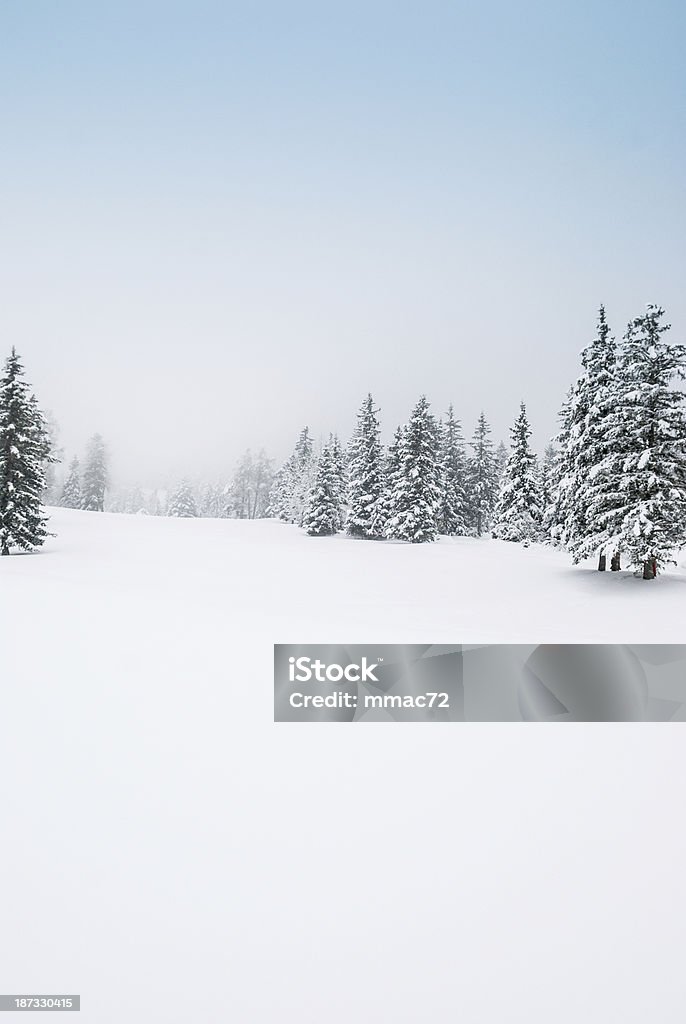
{"x": 221, "y": 225}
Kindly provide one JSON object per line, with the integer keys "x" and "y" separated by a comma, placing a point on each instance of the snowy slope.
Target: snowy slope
{"x": 172, "y": 855}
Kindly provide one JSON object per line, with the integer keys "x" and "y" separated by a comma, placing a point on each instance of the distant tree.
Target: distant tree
{"x": 293, "y": 482}
{"x": 182, "y": 503}
{"x": 213, "y": 502}
{"x": 71, "y": 492}
{"x": 365, "y": 474}
{"x": 500, "y": 462}
{"x": 518, "y": 511}
{"x": 51, "y": 492}
{"x": 482, "y": 480}
{"x": 416, "y": 490}
{"x": 452, "y": 505}
{"x": 94, "y": 481}
{"x": 24, "y": 451}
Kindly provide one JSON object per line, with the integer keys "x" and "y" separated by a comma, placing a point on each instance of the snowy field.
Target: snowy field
{"x": 172, "y": 855}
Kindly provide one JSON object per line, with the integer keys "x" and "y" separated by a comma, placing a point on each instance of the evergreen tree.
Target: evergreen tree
{"x": 24, "y": 451}
{"x": 182, "y": 503}
{"x": 51, "y": 492}
{"x": 339, "y": 465}
{"x": 452, "y": 510}
{"x": 518, "y": 511}
{"x": 482, "y": 481}
{"x": 71, "y": 492}
{"x": 323, "y": 513}
{"x": 548, "y": 483}
{"x": 94, "y": 481}
{"x": 500, "y": 463}
{"x": 365, "y": 474}
{"x": 416, "y": 493}
{"x": 636, "y": 498}
{"x": 213, "y": 503}
{"x": 588, "y": 441}
{"x": 555, "y": 514}
{"x": 293, "y": 482}
{"x": 390, "y": 474}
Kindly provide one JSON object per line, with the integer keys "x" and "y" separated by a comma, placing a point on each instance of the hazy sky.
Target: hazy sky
{"x": 222, "y": 221}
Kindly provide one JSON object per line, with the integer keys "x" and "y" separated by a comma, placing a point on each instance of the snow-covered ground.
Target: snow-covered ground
{"x": 172, "y": 855}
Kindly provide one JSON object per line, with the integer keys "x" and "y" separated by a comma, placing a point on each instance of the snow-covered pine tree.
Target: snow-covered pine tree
{"x": 323, "y": 513}
{"x": 52, "y": 490}
{"x": 416, "y": 493}
{"x": 339, "y": 464}
{"x": 518, "y": 511}
{"x": 500, "y": 462}
{"x": 390, "y": 473}
{"x": 263, "y": 476}
{"x": 365, "y": 474}
{"x": 481, "y": 479}
{"x": 548, "y": 483}
{"x": 182, "y": 502}
{"x": 94, "y": 480}
{"x": 71, "y": 492}
{"x": 554, "y": 515}
{"x": 588, "y": 443}
{"x": 24, "y": 452}
{"x": 638, "y": 505}
{"x": 293, "y": 482}
{"x": 452, "y": 459}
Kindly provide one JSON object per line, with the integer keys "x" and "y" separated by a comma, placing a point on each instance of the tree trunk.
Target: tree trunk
{"x": 649, "y": 569}
{"x": 602, "y": 562}
{"x": 615, "y": 562}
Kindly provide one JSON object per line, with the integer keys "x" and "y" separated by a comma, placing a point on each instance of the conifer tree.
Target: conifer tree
{"x": 322, "y": 516}
{"x": 71, "y": 492}
{"x": 482, "y": 482}
{"x": 416, "y": 493}
{"x": 365, "y": 474}
{"x": 588, "y": 442}
{"x": 213, "y": 504}
{"x": 500, "y": 463}
{"x": 24, "y": 451}
{"x": 339, "y": 465}
{"x": 452, "y": 510}
{"x": 293, "y": 482}
{"x": 182, "y": 503}
{"x": 636, "y": 498}
{"x": 555, "y": 514}
{"x": 94, "y": 480}
{"x": 518, "y": 512}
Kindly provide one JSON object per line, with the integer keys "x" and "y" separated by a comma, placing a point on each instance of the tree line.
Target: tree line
{"x": 611, "y": 484}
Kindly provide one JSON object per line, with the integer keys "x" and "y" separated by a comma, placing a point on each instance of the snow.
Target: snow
{"x": 173, "y": 855}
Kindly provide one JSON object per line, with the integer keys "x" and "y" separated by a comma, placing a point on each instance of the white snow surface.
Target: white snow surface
{"x": 173, "y": 855}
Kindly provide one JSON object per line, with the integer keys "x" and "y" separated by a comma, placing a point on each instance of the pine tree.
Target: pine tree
{"x": 416, "y": 493}
{"x": 71, "y": 492}
{"x": 500, "y": 462}
{"x": 482, "y": 481}
{"x": 94, "y": 481}
{"x": 555, "y": 514}
{"x": 52, "y": 490}
{"x": 323, "y": 513}
{"x": 390, "y": 475}
{"x": 588, "y": 443}
{"x": 365, "y": 474}
{"x": 212, "y": 504}
{"x": 182, "y": 503}
{"x": 24, "y": 452}
{"x": 548, "y": 483}
{"x": 636, "y": 500}
{"x": 339, "y": 465}
{"x": 293, "y": 482}
{"x": 452, "y": 510}
{"x": 518, "y": 511}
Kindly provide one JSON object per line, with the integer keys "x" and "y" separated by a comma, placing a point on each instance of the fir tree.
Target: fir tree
{"x": 24, "y": 452}
{"x": 636, "y": 501}
{"x": 416, "y": 493}
{"x": 451, "y": 511}
{"x": 482, "y": 481}
{"x": 182, "y": 503}
{"x": 390, "y": 474}
{"x": 339, "y": 465}
{"x": 548, "y": 483}
{"x": 365, "y": 474}
{"x": 293, "y": 482}
{"x": 213, "y": 504}
{"x": 588, "y": 442}
{"x": 71, "y": 492}
{"x": 500, "y": 462}
{"x": 554, "y": 515}
{"x": 323, "y": 513}
{"x": 518, "y": 511}
{"x": 94, "y": 481}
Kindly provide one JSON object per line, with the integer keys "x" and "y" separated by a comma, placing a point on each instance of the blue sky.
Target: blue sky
{"x": 221, "y": 221}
